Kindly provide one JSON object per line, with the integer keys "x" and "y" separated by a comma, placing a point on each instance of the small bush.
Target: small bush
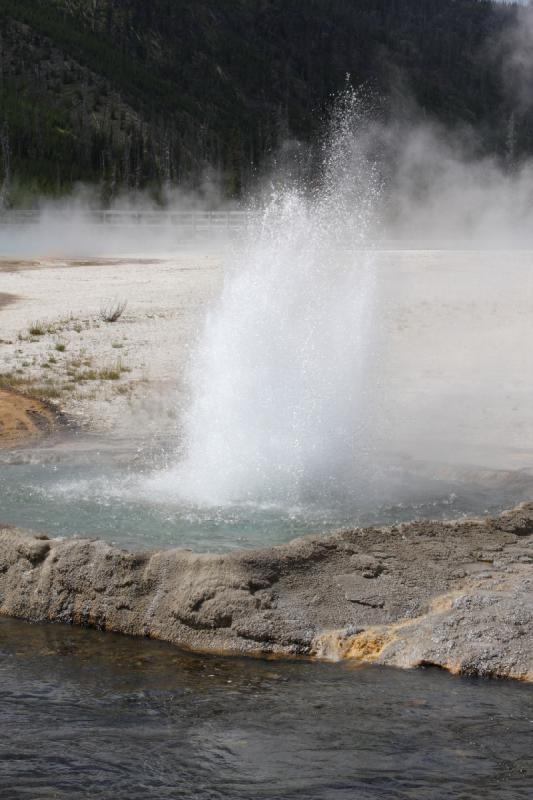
{"x": 86, "y": 375}
{"x": 37, "y": 329}
{"x": 113, "y": 372}
{"x": 113, "y": 312}
{"x": 60, "y": 347}
{"x": 29, "y": 387}
{"x": 48, "y": 392}
{"x": 109, "y": 374}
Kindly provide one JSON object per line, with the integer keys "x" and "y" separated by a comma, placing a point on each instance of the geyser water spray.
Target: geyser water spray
{"x": 281, "y": 403}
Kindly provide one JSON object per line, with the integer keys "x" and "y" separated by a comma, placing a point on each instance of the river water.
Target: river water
{"x": 92, "y": 715}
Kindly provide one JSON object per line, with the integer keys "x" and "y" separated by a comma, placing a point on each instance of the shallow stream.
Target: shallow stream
{"x": 94, "y": 715}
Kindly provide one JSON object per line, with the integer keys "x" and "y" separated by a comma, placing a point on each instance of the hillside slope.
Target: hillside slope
{"x": 135, "y": 93}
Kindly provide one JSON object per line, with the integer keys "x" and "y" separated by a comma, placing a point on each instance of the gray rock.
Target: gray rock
{"x": 325, "y": 597}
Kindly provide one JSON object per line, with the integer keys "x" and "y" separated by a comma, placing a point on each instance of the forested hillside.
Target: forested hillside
{"x": 136, "y": 93}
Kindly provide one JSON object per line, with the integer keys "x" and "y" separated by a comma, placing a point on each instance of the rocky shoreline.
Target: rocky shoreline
{"x": 457, "y": 595}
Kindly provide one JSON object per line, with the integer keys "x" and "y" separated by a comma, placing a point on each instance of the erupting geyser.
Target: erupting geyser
{"x": 280, "y": 402}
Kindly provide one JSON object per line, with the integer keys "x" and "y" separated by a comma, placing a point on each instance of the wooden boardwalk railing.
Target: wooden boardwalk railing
{"x": 186, "y": 221}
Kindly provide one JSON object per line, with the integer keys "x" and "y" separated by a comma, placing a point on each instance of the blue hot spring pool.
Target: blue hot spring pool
{"x": 85, "y": 486}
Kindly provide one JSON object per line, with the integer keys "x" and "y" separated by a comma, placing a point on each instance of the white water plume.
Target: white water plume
{"x": 280, "y": 399}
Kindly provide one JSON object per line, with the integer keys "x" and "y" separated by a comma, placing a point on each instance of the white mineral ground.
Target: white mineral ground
{"x": 454, "y": 332}
{"x": 454, "y": 351}
{"x": 165, "y": 304}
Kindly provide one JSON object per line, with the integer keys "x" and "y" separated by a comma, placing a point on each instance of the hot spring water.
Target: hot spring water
{"x": 103, "y": 490}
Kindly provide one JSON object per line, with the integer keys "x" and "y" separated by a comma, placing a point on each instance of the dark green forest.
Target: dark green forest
{"x": 142, "y": 93}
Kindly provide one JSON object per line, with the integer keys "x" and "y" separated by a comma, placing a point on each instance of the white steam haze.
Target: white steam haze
{"x": 73, "y": 227}
{"x": 440, "y": 196}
